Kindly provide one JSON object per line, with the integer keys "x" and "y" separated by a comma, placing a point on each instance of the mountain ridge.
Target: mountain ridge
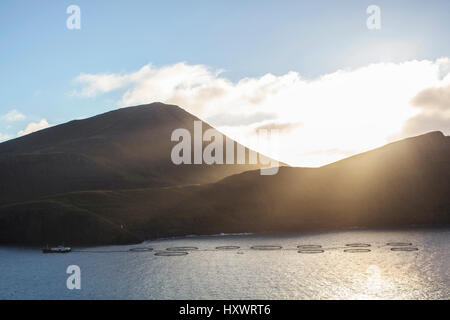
{"x": 403, "y": 183}
{"x": 125, "y": 148}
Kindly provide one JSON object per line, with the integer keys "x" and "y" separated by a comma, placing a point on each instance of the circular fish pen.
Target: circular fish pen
{"x": 309, "y": 246}
{"x": 140, "y": 249}
{"x": 358, "y": 245}
{"x": 227, "y": 248}
{"x": 399, "y": 244}
{"x": 171, "y": 253}
{"x": 357, "y": 250}
{"x": 405, "y": 249}
{"x": 266, "y": 247}
{"x": 311, "y": 251}
{"x": 182, "y": 249}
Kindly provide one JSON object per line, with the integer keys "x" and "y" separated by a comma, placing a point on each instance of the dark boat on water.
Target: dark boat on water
{"x": 58, "y": 249}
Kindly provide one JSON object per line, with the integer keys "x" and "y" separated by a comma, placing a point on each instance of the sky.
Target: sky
{"x": 311, "y": 70}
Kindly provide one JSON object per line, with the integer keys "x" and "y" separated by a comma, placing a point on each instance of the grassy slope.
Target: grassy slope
{"x": 401, "y": 184}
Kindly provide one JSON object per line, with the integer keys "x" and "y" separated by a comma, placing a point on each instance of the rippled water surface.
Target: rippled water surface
{"x": 339, "y": 272}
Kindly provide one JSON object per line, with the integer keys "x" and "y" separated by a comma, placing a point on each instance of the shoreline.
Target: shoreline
{"x": 247, "y": 234}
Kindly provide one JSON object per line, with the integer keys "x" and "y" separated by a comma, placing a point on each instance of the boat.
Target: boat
{"x": 58, "y": 249}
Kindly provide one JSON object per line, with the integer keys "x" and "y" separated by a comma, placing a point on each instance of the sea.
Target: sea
{"x": 350, "y": 264}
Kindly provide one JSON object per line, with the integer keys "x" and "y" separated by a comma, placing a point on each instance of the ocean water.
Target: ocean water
{"x": 329, "y": 272}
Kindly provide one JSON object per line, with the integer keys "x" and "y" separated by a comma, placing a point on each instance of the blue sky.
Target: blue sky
{"x": 40, "y": 57}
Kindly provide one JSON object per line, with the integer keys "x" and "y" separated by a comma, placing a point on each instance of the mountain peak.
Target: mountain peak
{"x": 120, "y": 149}
{"x": 410, "y": 152}
{"x": 432, "y": 135}
{"x": 153, "y": 107}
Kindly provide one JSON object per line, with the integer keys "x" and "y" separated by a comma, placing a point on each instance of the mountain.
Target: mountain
{"x": 401, "y": 184}
{"x": 121, "y": 149}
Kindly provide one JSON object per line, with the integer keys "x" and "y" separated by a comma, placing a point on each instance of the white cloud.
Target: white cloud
{"x": 13, "y": 115}
{"x": 345, "y": 110}
{"x": 434, "y": 114}
{"x": 280, "y": 126}
{"x": 433, "y": 98}
{"x": 33, "y": 127}
{"x": 4, "y": 137}
{"x": 223, "y": 119}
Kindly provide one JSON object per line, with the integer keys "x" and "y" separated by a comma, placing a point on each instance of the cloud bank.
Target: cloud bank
{"x": 434, "y": 106}
{"x": 33, "y": 127}
{"x": 433, "y": 98}
{"x": 4, "y": 137}
{"x": 322, "y": 119}
{"x": 12, "y": 116}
